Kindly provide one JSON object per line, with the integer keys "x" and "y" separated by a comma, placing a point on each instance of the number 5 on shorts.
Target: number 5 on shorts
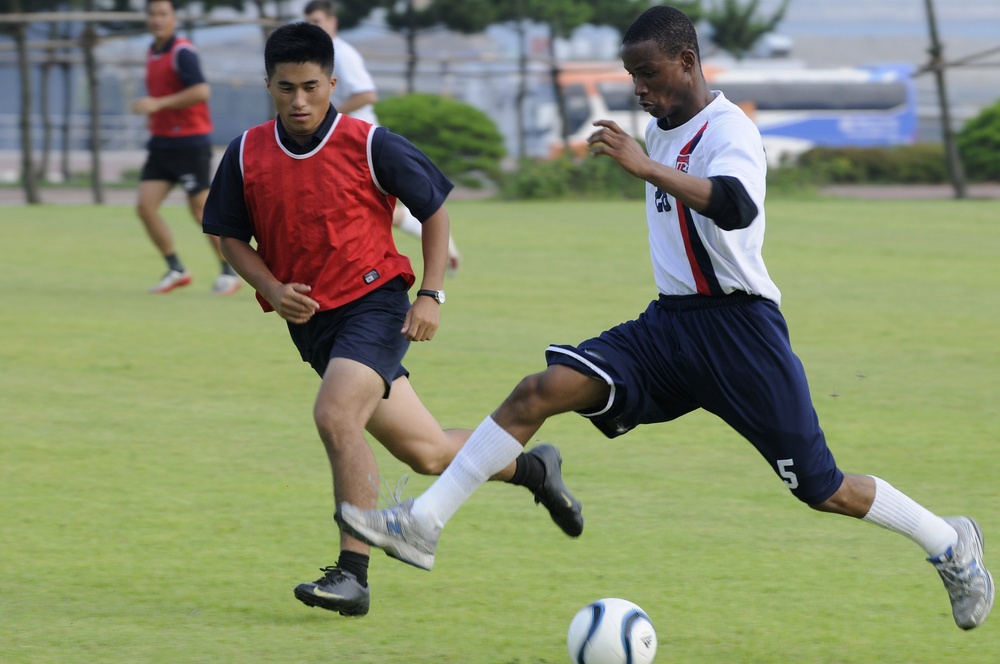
{"x": 783, "y": 469}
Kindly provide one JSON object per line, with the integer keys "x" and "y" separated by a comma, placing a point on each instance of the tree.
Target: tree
{"x": 562, "y": 17}
{"x": 979, "y": 144}
{"x": 407, "y": 17}
{"x": 88, "y": 41}
{"x": 43, "y": 101}
{"x": 736, "y": 28}
{"x": 28, "y": 175}
{"x": 268, "y": 22}
{"x": 460, "y": 139}
{"x": 622, "y": 13}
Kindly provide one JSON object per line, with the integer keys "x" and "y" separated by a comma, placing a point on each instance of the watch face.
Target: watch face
{"x": 440, "y": 297}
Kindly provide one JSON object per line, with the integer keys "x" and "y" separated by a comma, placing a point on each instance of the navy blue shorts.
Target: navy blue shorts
{"x": 189, "y": 167}
{"x": 366, "y": 331}
{"x": 729, "y": 355}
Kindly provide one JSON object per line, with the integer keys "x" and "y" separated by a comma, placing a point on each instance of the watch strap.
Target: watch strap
{"x": 433, "y": 294}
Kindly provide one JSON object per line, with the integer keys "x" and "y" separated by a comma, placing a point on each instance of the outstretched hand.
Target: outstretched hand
{"x": 612, "y": 140}
{"x": 293, "y": 304}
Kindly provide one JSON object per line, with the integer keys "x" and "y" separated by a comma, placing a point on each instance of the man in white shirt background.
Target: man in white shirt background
{"x": 355, "y": 95}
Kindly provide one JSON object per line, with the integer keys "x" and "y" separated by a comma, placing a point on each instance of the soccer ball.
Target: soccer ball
{"x": 611, "y": 631}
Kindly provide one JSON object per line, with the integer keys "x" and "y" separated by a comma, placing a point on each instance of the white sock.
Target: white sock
{"x": 489, "y": 450}
{"x": 898, "y": 513}
{"x": 410, "y": 224}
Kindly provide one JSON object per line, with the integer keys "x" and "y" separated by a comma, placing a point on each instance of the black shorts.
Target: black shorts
{"x": 189, "y": 167}
{"x": 366, "y": 330}
{"x": 728, "y": 355}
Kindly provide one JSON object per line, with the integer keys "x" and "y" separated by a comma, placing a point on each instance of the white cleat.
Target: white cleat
{"x": 171, "y": 280}
{"x": 226, "y": 284}
{"x": 968, "y": 582}
{"x": 394, "y": 530}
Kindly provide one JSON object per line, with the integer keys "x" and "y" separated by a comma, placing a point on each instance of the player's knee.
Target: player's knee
{"x": 428, "y": 461}
{"x": 144, "y": 210}
{"x": 853, "y": 497}
{"x": 333, "y": 431}
{"x": 526, "y": 402}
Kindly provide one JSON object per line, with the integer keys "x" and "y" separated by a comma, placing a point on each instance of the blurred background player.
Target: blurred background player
{"x": 180, "y": 149}
{"x": 355, "y": 95}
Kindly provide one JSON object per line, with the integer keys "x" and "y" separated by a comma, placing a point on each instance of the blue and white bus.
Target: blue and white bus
{"x": 794, "y": 108}
{"x": 797, "y": 109}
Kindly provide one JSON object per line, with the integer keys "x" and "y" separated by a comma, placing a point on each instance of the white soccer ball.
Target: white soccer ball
{"x": 611, "y": 631}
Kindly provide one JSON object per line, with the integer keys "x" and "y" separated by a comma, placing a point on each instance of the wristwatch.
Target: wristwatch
{"x": 438, "y": 295}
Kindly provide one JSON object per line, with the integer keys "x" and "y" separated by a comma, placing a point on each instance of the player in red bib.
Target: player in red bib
{"x": 180, "y": 149}
{"x": 315, "y": 190}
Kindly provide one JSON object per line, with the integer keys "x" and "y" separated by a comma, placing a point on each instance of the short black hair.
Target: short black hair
{"x": 669, "y": 27}
{"x": 173, "y": 3}
{"x": 298, "y": 43}
{"x": 328, "y": 7}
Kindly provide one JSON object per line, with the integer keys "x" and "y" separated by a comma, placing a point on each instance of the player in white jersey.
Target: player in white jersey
{"x": 713, "y": 339}
{"x": 691, "y": 252}
{"x": 355, "y": 95}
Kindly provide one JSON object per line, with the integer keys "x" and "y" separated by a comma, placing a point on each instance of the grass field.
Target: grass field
{"x": 163, "y": 488}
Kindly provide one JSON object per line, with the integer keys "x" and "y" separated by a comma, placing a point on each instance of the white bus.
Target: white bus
{"x": 794, "y": 108}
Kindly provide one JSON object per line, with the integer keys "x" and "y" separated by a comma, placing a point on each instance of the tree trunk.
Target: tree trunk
{"x": 522, "y": 87}
{"x": 93, "y": 89}
{"x": 28, "y": 174}
{"x": 265, "y": 32}
{"x": 955, "y": 171}
{"x": 67, "y": 73}
{"x": 43, "y": 106}
{"x": 411, "y": 49}
{"x": 261, "y": 6}
{"x": 557, "y": 89}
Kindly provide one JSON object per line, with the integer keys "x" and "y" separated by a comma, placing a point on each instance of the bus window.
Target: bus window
{"x": 618, "y": 96}
{"x": 577, "y": 106}
{"x": 817, "y": 96}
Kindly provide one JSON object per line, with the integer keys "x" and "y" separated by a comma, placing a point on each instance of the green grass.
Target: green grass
{"x": 163, "y": 488}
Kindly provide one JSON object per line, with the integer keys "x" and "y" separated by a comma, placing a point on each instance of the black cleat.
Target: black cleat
{"x": 564, "y": 509}
{"x": 337, "y": 590}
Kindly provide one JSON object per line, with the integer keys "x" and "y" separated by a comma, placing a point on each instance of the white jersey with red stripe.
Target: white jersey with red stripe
{"x": 690, "y": 253}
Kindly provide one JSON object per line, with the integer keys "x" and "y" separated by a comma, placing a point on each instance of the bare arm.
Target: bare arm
{"x": 187, "y": 97}
{"x": 611, "y": 140}
{"x": 424, "y": 316}
{"x": 354, "y": 102}
{"x": 290, "y": 301}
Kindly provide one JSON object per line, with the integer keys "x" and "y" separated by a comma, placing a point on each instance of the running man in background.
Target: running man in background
{"x": 315, "y": 189}
{"x": 355, "y": 95}
{"x": 713, "y": 339}
{"x": 180, "y": 149}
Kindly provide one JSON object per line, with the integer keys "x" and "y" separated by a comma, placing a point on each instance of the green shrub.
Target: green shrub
{"x": 905, "y": 164}
{"x": 602, "y": 178}
{"x": 791, "y": 182}
{"x": 979, "y": 145}
{"x": 593, "y": 178}
{"x": 461, "y": 140}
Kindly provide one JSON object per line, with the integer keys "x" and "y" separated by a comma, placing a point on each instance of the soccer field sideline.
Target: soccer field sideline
{"x": 117, "y": 195}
